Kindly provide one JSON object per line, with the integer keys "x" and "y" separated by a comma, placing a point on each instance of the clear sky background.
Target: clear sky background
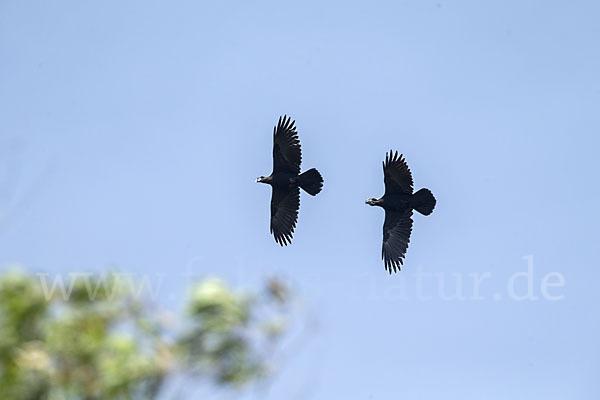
{"x": 131, "y": 133}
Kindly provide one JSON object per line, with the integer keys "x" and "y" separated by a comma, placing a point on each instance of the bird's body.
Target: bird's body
{"x": 399, "y": 201}
{"x": 282, "y": 179}
{"x": 395, "y": 202}
{"x": 286, "y": 181}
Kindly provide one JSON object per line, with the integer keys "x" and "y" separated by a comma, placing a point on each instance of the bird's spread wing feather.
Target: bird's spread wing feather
{"x": 287, "y": 154}
{"x": 397, "y": 176}
{"x": 284, "y": 213}
{"x": 396, "y": 235}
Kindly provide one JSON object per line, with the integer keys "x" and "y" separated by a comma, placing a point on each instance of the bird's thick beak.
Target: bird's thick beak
{"x": 256, "y": 180}
{"x": 367, "y": 201}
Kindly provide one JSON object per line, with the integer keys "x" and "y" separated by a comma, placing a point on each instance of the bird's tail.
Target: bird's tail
{"x": 311, "y": 181}
{"x": 423, "y": 201}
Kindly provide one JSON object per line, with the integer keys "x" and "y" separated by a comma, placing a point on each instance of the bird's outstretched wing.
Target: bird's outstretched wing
{"x": 284, "y": 213}
{"x": 396, "y": 235}
{"x": 287, "y": 154}
{"x": 397, "y": 176}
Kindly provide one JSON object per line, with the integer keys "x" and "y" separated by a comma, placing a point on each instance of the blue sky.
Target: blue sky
{"x": 131, "y": 133}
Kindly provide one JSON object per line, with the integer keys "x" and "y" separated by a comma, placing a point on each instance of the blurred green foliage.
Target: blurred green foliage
{"x": 112, "y": 345}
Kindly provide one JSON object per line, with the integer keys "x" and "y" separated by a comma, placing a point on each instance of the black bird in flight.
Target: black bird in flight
{"x": 399, "y": 201}
{"x": 286, "y": 180}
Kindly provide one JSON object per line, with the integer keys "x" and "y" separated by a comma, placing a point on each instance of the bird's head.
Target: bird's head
{"x": 372, "y": 201}
{"x": 261, "y": 179}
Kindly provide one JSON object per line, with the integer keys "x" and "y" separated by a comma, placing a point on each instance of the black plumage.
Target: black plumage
{"x": 286, "y": 180}
{"x": 399, "y": 201}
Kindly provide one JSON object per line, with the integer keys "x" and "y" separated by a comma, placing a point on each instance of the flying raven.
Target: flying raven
{"x": 399, "y": 201}
{"x": 286, "y": 180}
